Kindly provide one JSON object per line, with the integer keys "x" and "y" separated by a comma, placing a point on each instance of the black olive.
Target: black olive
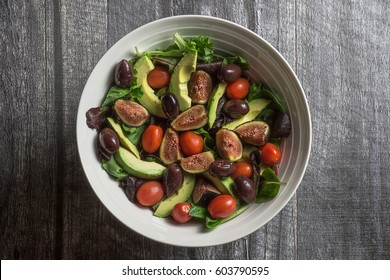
{"x": 281, "y": 125}
{"x": 236, "y": 108}
{"x": 172, "y": 179}
{"x": 124, "y": 73}
{"x": 221, "y": 168}
{"x": 245, "y": 189}
{"x": 108, "y": 141}
{"x": 170, "y": 106}
{"x": 230, "y": 72}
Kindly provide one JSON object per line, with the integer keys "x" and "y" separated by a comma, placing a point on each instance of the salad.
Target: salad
{"x": 187, "y": 134}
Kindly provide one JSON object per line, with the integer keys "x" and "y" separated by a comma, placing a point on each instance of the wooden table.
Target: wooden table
{"x": 340, "y": 52}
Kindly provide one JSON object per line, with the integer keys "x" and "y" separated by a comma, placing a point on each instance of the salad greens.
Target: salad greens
{"x": 123, "y": 165}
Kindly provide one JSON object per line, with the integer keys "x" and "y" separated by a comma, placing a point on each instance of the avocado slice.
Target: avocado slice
{"x": 224, "y": 185}
{"x": 180, "y": 77}
{"x": 139, "y": 168}
{"x": 122, "y": 138}
{"x": 213, "y": 102}
{"x": 149, "y": 100}
{"x": 255, "y": 108}
{"x": 165, "y": 207}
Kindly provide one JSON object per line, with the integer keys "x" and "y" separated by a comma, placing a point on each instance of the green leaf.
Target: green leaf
{"x": 113, "y": 168}
{"x": 254, "y": 91}
{"x": 239, "y": 60}
{"x": 115, "y": 93}
{"x": 264, "y": 115}
{"x": 277, "y": 102}
{"x": 212, "y": 223}
{"x": 209, "y": 143}
{"x": 269, "y": 186}
{"x": 198, "y": 212}
{"x": 134, "y": 133}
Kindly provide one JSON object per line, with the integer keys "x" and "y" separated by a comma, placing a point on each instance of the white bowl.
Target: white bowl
{"x": 266, "y": 65}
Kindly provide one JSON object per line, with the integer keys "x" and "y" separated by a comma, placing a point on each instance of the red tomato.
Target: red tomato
{"x": 191, "y": 143}
{"x": 243, "y": 169}
{"x": 222, "y": 206}
{"x": 151, "y": 138}
{"x": 238, "y": 89}
{"x": 159, "y": 77}
{"x": 180, "y": 212}
{"x": 270, "y": 154}
{"x": 150, "y": 193}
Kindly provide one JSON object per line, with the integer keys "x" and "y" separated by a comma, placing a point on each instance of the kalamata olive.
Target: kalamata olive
{"x": 221, "y": 168}
{"x": 172, "y": 179}
{"x": 170, "y": 106}
{"x": 108, "y": 141}
{"x": 230, "y": 72}
{"x": 124, "y": 73}
{"x": 236, "y": 108}
{"x": 245, "y": 189}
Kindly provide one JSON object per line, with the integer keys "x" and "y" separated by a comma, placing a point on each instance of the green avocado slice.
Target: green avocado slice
{"x": 137, "y": 167}
{"x": 180, "y": 77}
{"x": 165, "y": 207}
{"x": 122, "y": 138}
{"x": 213, "y": 102}
{"x": 255, "y": 108}
{"x": 149, "y": 100}
{"x": 224, "y": 185}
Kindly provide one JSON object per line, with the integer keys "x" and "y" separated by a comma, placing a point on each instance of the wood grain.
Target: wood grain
{"x": 340, "y": 52}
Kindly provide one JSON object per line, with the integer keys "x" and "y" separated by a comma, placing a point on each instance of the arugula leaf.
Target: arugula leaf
{"x": 113, "y": 168}
{"x": 277, "y": 102}
{"x": 198, "y": 212}
{"x": 239, "y": 60}
{"x": 264, "y": 115}
{"x": 134, "y": 133}
{"x": 212, "y": 223}
{"x": 254, "y": 91}
{"x": 269, "y": 186}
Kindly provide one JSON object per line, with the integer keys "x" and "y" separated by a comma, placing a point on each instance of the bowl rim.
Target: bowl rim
{"x": 80, "y": 123}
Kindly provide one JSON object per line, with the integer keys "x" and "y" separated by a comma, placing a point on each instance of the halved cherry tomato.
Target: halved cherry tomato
{"x": 191, "y": 143}
{"x": 222, "y": 206}
{"x": 270, "y": 154}
{"x": 159, "y": 77}
{"x": 238, "y": 89}
{"x": 151, "y": 138}
{"x": 150, "y": 193}
{"x": 242, "y": 169}
{"x": 180, "y": 212}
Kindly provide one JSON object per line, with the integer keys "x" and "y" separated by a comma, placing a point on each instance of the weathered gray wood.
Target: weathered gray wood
{"x": 343, "y": 62}
{"x": 340, "y": 52}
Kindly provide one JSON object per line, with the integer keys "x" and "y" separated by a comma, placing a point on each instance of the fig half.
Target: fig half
{"x": 192, "y": 118}
{"x": 131, "y": 113}
{"x": 200, "y": 87}
{"x": 254, "y": 133}
{"x": 229, "y": 145}
{"x": 170, "y": 148}
{"x": 203, "y": 192}
{"x": 197, "y": 163}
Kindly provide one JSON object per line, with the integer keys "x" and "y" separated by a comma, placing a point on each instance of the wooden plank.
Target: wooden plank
{"x": 28, "y": 146}
{"x": 82, "y": 32}
{"x": 343, "y": 62}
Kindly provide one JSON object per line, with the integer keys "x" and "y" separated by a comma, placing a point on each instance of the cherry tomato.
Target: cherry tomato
{"x": 238, "y": 89}
{"x": 243, "y": 169}
{"x": 191, "y": 143}
{"x": 180, "y": 212}
{"x": 159, "y": 77}
{"x": 151, "y": 138}
{"x": 222, "y": 206}
{"x": 150, "y": 193}
{"x": 270, "y": 154}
